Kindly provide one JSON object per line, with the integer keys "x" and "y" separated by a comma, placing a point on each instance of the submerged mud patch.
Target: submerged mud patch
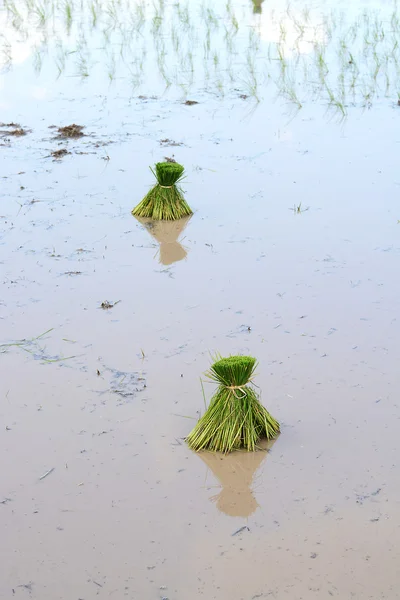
{"x": 125, "y": 384}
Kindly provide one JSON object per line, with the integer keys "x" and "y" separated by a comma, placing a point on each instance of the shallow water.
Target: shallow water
{"x": 291, "y": 256}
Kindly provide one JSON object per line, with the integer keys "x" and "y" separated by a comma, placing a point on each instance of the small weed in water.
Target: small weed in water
{"x": 298, "y": 209}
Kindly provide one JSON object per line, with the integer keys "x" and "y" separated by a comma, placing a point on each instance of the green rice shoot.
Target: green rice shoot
{"x": 235, "y": 417}
{"x": 165, "y": 201}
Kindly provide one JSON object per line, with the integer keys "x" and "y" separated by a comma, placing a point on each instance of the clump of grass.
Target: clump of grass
{"x": 71, "y": 131}
{"x": 16, "y": 130}
{"x": 165, "y": 201}
{"x": 235, "y": 417}
{"x": 57, "y": 154}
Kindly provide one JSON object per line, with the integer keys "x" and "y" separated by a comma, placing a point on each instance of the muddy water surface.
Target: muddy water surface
{"x": 291, "y": 255}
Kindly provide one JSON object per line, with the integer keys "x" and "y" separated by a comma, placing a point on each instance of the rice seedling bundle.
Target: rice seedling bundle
{"x": 235, "y": 417}
{"x": 257, "y": 8}
{"x": 165, "y": 201}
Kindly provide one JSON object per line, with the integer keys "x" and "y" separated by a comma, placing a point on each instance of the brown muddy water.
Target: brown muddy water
{"x": 107, "y": 323}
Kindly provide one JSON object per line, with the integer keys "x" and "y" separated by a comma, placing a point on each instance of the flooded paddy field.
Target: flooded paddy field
{"x": 285, "y": 117}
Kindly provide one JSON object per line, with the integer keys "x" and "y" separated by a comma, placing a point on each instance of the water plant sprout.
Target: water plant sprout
{"x": 235, "y": 417}
{"x": 165, "y": 201}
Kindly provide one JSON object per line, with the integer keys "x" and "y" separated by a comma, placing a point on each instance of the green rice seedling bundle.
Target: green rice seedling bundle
{"x": 235, "y": 417}
{"x": 257, "y": 8}
{"x": 165, "y": 201}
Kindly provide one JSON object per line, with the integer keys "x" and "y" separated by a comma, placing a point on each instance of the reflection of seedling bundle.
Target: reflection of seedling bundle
{"x": 165, "y": 200}
{"x": 167, "y": 233}
{"x": 235, "y": 472}
{"x": 235, "y": 417}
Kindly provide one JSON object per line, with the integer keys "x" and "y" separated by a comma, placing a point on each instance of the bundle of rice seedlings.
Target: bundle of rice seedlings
{"x": 235, "y": 417}
{"x": 165, "y": 201}
{"x": 257, "y": 8}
